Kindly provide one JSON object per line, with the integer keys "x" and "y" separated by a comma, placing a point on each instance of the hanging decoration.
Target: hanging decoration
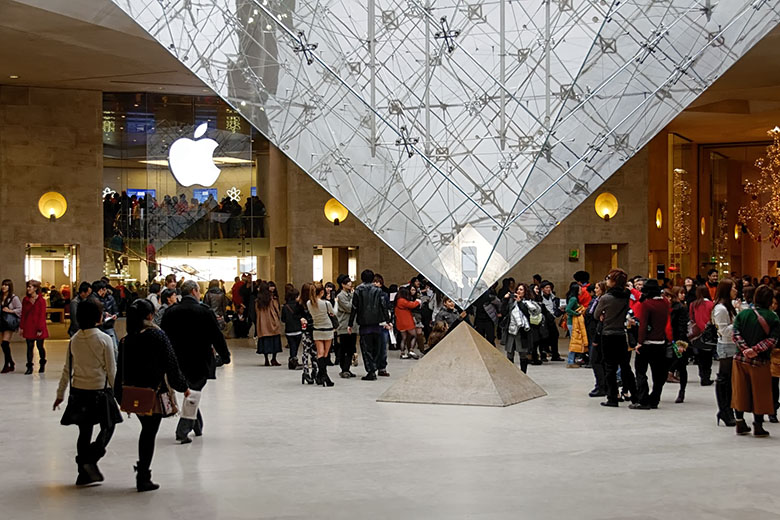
{"x": 234, "y": 194}
{"x": 761, "y": 215}
{"x": 682, "y": 211}
{"x": 108, "y": 191}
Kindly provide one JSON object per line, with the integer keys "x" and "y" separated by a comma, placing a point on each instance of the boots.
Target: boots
{"x": 143, "y": 479}
{"x": 42, "y": 367}
{"x": 88, "y": 472}
{"x": 322, "y": 375}
{"x": 725, "y": 413}
{"x": 680, "y": 397}
{"x": 742, "y": 427}
{"x": 8, "y": 364}
{"x": 759, "y": 431}
{"x": 29, "y": 369}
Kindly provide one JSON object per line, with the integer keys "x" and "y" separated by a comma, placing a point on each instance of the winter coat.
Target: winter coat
{"x": 217, "y": 301}
{"x": 269, "y": 320}
{"x": 33, "y": 318}
{"x": 403, "y": 314}
{"x": 579, "y": 334}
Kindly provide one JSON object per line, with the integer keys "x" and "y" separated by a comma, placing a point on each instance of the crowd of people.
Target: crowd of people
{"x": 176, "y": 339}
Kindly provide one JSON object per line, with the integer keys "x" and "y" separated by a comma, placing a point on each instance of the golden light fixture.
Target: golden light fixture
{"x": 736, "y": 231}
{"x": 702, "y": 226}
{"x": 659, "y": 218}
{"x": 52, "y": 205}
{"x": 335, "y": 211}
{"x": 606, "y": 205}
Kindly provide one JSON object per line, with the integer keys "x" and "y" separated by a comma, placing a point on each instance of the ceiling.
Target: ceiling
{"x": 85, "y": 44}
{"x": 92, "y": 44}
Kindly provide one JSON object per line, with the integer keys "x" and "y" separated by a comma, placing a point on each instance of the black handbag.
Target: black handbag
{"x": 10, "y": 321}
{"x": 708, "y": 339}
{"x": 90, "y": 406}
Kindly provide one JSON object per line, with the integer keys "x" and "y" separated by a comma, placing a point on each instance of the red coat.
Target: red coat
{"x": 236, "y": 293}
{"x": 584, "y": 298}
{"x": 33, "y": 319}
{"x": 403, "y": 314}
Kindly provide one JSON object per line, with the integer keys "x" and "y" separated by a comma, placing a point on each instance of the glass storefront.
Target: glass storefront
{"x": 183, "y": 182}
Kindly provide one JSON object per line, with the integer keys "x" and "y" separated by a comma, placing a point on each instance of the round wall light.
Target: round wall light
{"x": 335, "y": 211}
{"x": 737, "y": 231}
{"x": 659, "y": 218}
{"x": 52, "y": 205}
{"x": 606, "y": 205}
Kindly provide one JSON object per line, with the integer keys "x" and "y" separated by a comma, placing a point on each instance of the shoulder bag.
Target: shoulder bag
{"x": 142, "y": 400}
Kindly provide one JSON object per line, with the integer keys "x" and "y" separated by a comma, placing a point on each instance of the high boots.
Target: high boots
{"x": 8, "y": 364}
{"x": 143, "y": 479}
{"x": 322, "y": 375}
{"x": 42, "y": 367}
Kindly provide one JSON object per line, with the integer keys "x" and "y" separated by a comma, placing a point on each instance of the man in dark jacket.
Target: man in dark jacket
{"x": 102, "y": 294}
{"x": 84, "y": 291}
{"x": 370, "y": 309}
{"x": 194, "y": 333}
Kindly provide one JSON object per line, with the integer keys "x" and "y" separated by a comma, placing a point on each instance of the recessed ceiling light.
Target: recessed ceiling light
{"x": 13, "y": 76}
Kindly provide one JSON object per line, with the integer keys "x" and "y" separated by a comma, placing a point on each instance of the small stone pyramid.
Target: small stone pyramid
{"x": 466, "y": 369}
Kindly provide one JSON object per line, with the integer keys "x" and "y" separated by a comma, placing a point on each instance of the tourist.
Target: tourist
{"x": 369, "y": 309}
{"x": 723, "y": 314}
{"x": 578, "y": 344}
{"x": 593, "y": 327}
{"x": 9, "y": 322}
{"x": 292, "y": 314}
{"x": 712, "y": 283}
{"x": 678, "y": 369}
{"x": 241, "y": 323}
{"x": 167, "y": 299}
{"x": 32, "y": 325}
{"x": 516, "y": 327}
{"x": 612, "y": 310}
{"x": 755, "y": 334}
{"x": 700, "y": 312}
{"x": 404, "y": 321}
{"x": 449, "y": 314}
{"x": 553, "y": 305}
{"x": 308, "y": 347}
{"x": 485, "y": 311}
{"x": 268, "y": 326}
{"x": 217, "y": 301}
{"x": 775, "y": 367}
{"x": 89, "y": 370}
{"x": 384, "y": 345}
{"x": 417, "y": 316}
{"x": 654, "y": 334}
{"x": 689, "y": 288}
{"x": 147, "y": 360}
{"x": 538, "y": 318}
{"x": 582, "y": 278}
{"x": 347, "y": 341}
{"x": 101, "y": 292}
{"x": 195, "y": 336}
{"x": 85, "y": 289}
{"x": 438, "y": 331}
{"x": 322, "y": 314}
{"x": 154, "y": 295}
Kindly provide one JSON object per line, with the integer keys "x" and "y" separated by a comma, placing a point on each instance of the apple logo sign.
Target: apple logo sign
{"x": 191, "y": 161}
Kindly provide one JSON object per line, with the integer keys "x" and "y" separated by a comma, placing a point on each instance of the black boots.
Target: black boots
{"x": 742, "y": 427}
{"x": 42, "y": 367}
{"x": 322, "y": 374}
{"x": 680, "y": 397}
{"x": 88, "y": 472}
{"x": 759, "y": 431}
{"x": 29, "y": 369}
{"x": 8, "y": 363}
{"x": 143, "y": 479}
{"x": 306, "y": 378}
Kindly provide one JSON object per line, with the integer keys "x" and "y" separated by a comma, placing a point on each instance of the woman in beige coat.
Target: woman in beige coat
{"x": 269, "y": 326}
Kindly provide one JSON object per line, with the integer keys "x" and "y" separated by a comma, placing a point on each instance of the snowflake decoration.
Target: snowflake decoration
{"x": 108, "y": 191}
{"x": 234, "y": 194}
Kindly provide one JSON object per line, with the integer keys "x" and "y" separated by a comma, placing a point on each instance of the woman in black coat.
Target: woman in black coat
{"x": 146, "y": 357}
{"x": 679, "y": 365}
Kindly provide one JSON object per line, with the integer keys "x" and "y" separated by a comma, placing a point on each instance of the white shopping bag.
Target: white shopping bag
{"x": 392, "y": 338}
{"x": 189, "y": 407}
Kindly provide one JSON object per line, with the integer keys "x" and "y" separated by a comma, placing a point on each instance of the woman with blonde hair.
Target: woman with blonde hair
{"x": 321, "y": 312}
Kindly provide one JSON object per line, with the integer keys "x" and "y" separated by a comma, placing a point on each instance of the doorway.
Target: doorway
{"x": 601, "y": 258}
{"x": 52, "y": 265}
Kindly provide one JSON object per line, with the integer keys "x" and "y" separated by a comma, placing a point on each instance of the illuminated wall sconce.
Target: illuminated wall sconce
{"x": 737, "y": 230}
{"x": 52, "y": 205}
{"x": 335, "y": 211}
{"x": 606, "y": 206}
{"x": 659, "y": 218}
{"x": 702, "y": 226}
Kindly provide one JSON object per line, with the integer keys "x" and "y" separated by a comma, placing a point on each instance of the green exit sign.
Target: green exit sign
{"x": 574, "y": 255}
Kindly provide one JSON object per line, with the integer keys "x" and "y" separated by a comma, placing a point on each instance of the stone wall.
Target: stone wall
{"x": 50, "y": 140}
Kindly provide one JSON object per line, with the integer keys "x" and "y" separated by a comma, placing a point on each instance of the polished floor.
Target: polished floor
{"x": 275, "y": 449}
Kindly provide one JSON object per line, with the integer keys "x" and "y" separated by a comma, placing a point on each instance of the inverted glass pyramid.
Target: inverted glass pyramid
{"x": 460, "y": 133}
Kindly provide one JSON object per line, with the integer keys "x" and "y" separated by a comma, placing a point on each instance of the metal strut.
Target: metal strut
{"x": 447, "y": 34}
{"x": 305, "y": 47}
{"x": 406, "y": 141}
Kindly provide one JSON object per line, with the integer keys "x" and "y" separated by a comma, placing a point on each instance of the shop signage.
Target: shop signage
{"x": 191, "y": 160}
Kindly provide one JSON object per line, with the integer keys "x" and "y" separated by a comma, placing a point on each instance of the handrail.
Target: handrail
{"x": 131, "y": 253}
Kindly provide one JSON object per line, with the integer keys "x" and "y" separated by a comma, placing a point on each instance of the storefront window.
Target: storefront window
{"x": 180, "y": 188}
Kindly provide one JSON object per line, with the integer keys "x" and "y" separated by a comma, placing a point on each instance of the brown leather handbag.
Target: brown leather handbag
{"x": 138, "y": 400}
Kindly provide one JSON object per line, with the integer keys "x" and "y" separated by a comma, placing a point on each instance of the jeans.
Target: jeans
{"x": 111, "y": 332}
{"x": 371, "y": 347}
{"x": 345, "y": 351}
{"x": 150, "y": 424}
{"x": 572, "y": 357}
{"x": 88, "y": 452}
{"x": 654, "y": 357}
{"x": 616, "y": 354}
{"x": 381, "y": 362}
{"x": 294, "y": 342}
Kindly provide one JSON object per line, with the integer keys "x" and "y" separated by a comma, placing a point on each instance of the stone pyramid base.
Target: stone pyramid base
{"x": 464, "y": 368}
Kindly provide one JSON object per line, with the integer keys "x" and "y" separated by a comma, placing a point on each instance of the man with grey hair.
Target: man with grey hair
{"x": 194, "y": 333}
